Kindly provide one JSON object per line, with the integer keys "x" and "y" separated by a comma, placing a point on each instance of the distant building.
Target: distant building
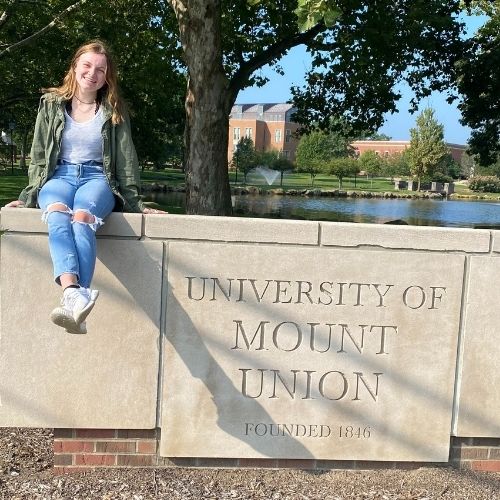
{"x": 387, "y": 148}
{"x": 270, "y": 126}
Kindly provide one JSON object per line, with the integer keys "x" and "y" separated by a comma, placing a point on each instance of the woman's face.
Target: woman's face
{"x": 90, "y": 71}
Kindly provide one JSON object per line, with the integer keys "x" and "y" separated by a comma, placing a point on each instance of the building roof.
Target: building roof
{"x": 279, "y": 107}
{"x": 400, "y": 143}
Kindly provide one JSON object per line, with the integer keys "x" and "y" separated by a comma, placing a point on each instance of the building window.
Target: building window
{"x": 236, "y": 134}
{"x": 288, "y": 135}
{"x": 277, "y": 135}
{"x": 286, "y": 153}
{"x": 248, "y": 133}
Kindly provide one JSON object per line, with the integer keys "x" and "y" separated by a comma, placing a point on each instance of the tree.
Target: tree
{"x": 372, "y": 136}
{"x": 323, "y": 146}
{"x": 361, "y": 50}
{"x": 371, "y": 163}
{"x": 467, "y": 166}
{"x": 372, "y": 46}
{"x": 275, "y": 161}
{"x": 156, "y": 104}
{"x": 396, "y": 164}
{"x": 448, "y": 167}
{"x": 245, "y": 157}
{"x": 343, "y": 167}
{"x": 282, "y": 165}
{"x": 316, "y": 149}
{"x": 478, "y": 82}
{"x": 427, "y": 147}
{"x": 11, "y": 8}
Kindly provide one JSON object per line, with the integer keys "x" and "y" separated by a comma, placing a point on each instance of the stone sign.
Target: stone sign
{"x": 479, "y": 388}
{"x": 104, "y": 379}
{"x": 309, "y": 352}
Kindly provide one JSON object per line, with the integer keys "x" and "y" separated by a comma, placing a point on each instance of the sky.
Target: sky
{"x": 397, "y": 126}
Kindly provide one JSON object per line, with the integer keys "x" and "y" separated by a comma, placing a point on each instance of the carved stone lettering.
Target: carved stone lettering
{"x": 281, "y": 357}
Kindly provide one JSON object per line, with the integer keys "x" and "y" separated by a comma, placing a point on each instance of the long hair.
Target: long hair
{"x": 109, "y": 92}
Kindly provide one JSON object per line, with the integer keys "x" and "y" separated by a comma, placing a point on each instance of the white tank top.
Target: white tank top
{"x": 82, "y": 141}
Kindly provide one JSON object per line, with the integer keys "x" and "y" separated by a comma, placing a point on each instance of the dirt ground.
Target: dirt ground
{"x": 26, "y": 462}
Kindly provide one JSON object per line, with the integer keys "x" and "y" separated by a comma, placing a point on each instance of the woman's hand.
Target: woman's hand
{"x": 15, "y": 204}
{"x": 148, "y": 211}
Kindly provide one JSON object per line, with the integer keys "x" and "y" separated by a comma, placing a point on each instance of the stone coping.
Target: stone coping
{"x": 28, "y": 220}
{"x": 259, "y": 230}
{"x": 406, "y": 237}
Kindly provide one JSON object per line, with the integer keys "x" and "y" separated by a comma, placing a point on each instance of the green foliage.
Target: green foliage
{"x": 371, "y": 163}
{"x": 492, "y": 169}
{"x": 427, "y": 148}
{"x": 448, "y": 168}
{"x": 438, "y": 177}
{"x": 372, "y": 136}
{"x": 245, "y": 158}
{"x": 322, "y": 147}
{"x": 361, "y": 50}
{"x": 373, "y": 46}
{"x": 486, "y": 184}
{"x": 149, "y": 66}
{"x": 317, "y": 148}
{"x": 478, "y": 82}
{"x": 343, "y": 167}
{"x": 467, "y": 166}
{"x": 275, "y": 161}
{"x": 311, "y": 12}
{"x": 396, "y": 165}
{"x": 282, "y": 164}
{"x": 313, "y": 168}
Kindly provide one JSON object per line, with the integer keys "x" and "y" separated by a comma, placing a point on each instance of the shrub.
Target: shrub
{"x": 485, "y": 184}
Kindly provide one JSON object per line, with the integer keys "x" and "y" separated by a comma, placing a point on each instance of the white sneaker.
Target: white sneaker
{"x": 80, "y": 329}
{"x": 63, "y": 318}
{"x": 76, "y": 306}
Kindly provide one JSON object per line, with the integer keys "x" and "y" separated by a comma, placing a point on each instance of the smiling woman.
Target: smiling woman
{"x": 83, "y": 165}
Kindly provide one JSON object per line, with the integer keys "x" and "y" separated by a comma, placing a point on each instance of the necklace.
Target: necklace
{"x": 83, "y": 102}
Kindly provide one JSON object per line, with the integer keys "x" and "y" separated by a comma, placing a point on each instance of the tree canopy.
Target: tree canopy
{"x": 427, "y": 147}
{"x": 361, "y": 50}
{"x": 151, "y": 76}
{"x": 479, "y": 84}
{"x": 372, "y": 47}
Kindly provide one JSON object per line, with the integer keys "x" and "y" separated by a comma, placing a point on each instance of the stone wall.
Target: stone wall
{"x": 237, "y": 342}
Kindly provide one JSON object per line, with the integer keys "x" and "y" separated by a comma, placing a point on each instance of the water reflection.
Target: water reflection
{"x": 455, "y": 213}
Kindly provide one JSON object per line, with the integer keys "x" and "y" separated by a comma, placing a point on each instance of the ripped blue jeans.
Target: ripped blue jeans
{"x": 72, "y": 244}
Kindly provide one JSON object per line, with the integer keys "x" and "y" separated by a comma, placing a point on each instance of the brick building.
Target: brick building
{"x": 387, "y": 148}
{"x": 270, "y": 126}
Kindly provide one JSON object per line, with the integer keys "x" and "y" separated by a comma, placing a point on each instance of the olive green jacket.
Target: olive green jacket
{"x": 119, "y": 156}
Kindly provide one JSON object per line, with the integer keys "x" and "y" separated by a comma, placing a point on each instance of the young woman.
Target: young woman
{"x": 83, "y": 164}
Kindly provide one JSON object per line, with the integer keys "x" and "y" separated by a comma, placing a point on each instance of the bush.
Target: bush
{"x": 485, "y": 184}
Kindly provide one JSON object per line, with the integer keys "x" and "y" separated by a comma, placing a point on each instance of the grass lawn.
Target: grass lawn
{"x": 12, "y": 184}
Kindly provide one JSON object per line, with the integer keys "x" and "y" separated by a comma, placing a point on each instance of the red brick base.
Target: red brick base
{"x": 84, "y": 449}
{"x": 476, "y": 453}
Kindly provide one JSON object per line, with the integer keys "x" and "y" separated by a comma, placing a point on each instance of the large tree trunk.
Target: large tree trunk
{"x": 208, "y": 104}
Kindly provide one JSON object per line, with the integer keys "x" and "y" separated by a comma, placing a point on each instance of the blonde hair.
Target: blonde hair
{"x": 109, "y": 92}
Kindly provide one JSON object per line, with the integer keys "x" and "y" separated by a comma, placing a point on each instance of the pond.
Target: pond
{"x": 443, "y": 213}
